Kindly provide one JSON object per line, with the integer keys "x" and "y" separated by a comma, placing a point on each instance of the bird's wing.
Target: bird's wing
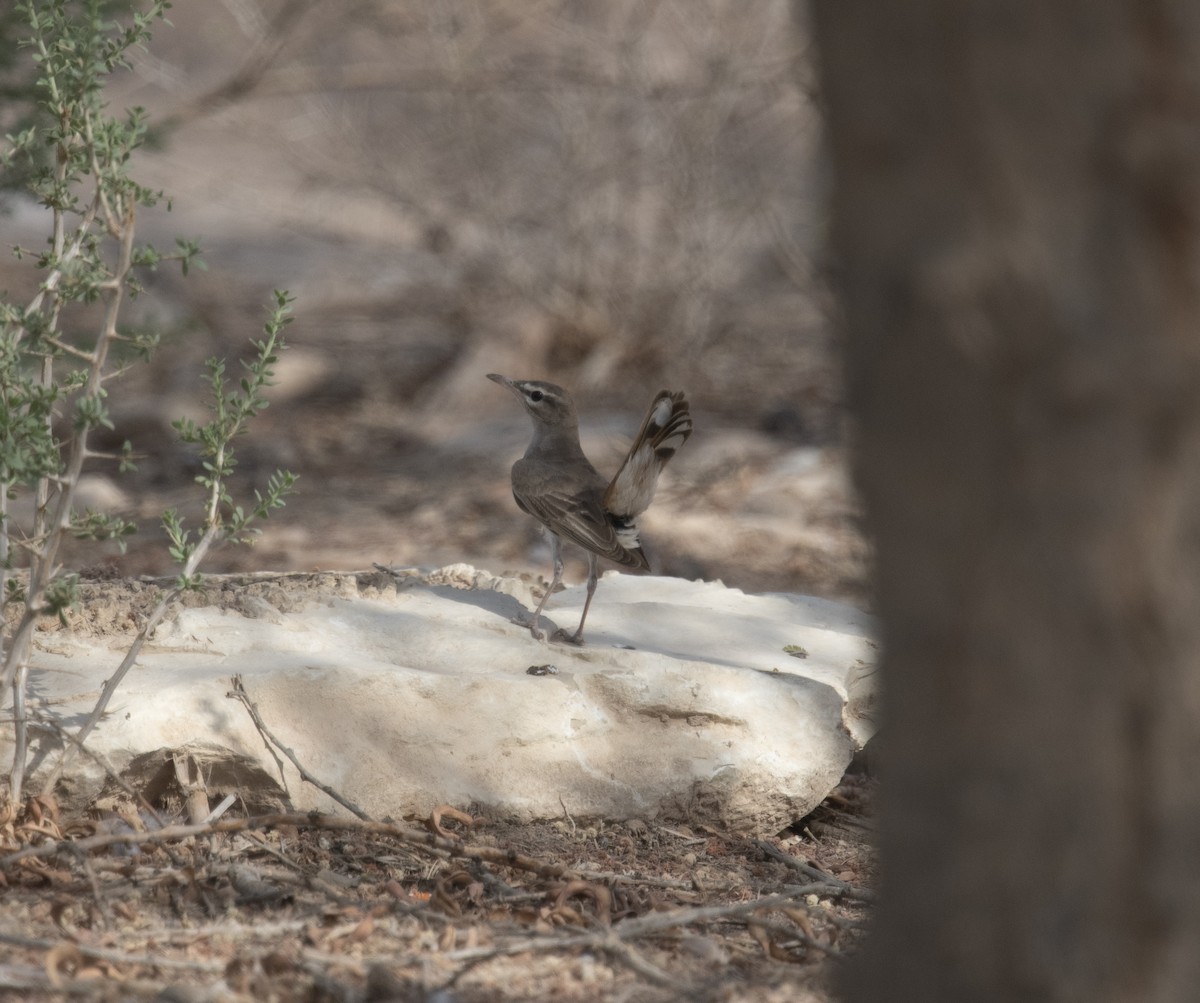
{"x": 581, "y": 519}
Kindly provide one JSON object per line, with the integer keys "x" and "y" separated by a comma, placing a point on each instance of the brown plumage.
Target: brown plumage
{"x": 556, "y": 484}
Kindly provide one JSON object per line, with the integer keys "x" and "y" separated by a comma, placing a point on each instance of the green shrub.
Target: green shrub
{"x": 73, "y": 156}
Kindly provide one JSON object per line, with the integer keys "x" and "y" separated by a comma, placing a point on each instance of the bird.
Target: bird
{"x": 556, "y": 483}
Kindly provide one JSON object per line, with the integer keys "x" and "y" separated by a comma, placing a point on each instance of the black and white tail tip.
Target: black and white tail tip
{"x": 666, "y": 427}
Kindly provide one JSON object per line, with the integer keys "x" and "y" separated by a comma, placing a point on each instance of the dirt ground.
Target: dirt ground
{"x": 553, "y": 911}
{"x": 454, "y": 908}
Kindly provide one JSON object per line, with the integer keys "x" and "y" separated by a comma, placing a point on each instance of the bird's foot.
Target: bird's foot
{"x": 531, "y": 624}
{"x": 575, "y": 639}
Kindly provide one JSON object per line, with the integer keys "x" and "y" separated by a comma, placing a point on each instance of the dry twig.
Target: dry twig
{"x": 239, "y": 693}
{"x": 845, "y": 888}
{"x": 614, "y": 940}
{"x": 113, "y": 956}
{"x": 427, "y": 841}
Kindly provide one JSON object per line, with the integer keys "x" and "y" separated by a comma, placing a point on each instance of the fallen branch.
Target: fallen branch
{"x": 32, "y": 978}
{"x": 614, "y": 940}
{"x": 845, "y": 888}
{"x": 656, "y": 922}
{"x": 615, "y": 947}
{"x": 428, "y": 842}
{"x": 794, "y": 933}
{"x": 239, "y": 693}
{"x": 413, "y": 837}
{"x": 113, "y": 956}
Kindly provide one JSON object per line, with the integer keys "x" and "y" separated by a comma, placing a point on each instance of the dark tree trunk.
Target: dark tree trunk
{"x": 1015, "y": 236}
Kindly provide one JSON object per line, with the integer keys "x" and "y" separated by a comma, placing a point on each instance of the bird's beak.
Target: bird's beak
{"x": 504, "y": 381}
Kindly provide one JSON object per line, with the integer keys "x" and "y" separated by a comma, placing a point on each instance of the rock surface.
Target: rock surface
{"x": 682, "y": 704}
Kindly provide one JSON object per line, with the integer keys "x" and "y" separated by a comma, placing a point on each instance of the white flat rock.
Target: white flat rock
{"x": 682, "y": 703}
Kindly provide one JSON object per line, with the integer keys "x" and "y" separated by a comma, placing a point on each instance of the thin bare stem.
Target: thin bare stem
{"x": 238, "y": 692}
{"x": 135, "y": 649}
{"x": 20, "y": 731}
{"x": 66, "y": 349}
{"x": 42, "y": 566}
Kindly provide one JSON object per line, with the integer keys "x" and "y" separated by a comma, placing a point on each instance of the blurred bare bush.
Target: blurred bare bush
{"x": 615, "y": 194}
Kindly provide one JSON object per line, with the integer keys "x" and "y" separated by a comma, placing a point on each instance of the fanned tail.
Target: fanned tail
{"x": 666, "y": 427}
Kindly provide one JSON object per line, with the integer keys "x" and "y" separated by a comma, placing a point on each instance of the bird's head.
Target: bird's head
{"x": 546, "y": 403}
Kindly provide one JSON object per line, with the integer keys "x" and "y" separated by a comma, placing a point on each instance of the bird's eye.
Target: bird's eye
{"x": 537, "y": 395}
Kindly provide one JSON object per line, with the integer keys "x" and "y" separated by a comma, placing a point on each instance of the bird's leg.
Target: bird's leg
{"x": 591, "y": 589}
{"x": 556, "y": 547}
